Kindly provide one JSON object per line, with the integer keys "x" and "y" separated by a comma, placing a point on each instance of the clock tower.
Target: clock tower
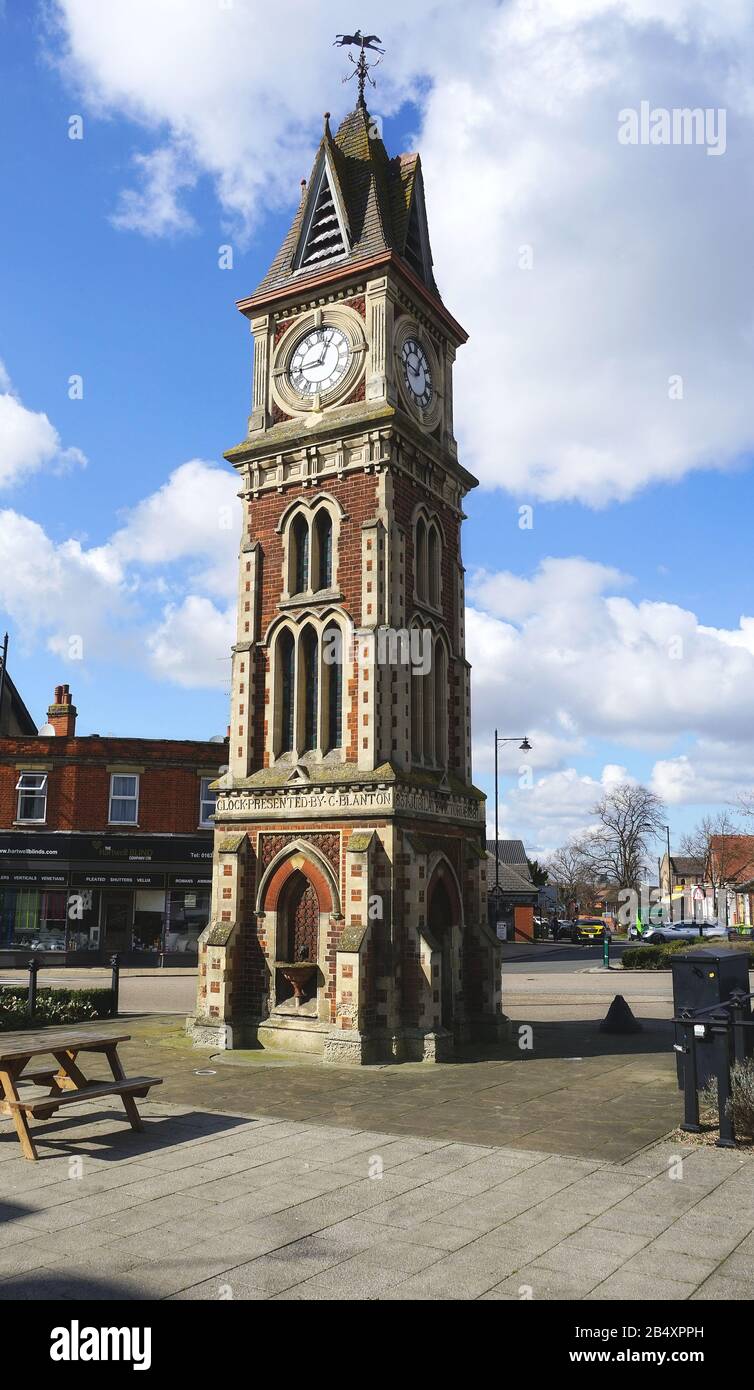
{"x": 349, "y": 915}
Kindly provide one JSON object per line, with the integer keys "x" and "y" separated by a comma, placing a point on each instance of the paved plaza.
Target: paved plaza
{"x": 545, "y": 1175}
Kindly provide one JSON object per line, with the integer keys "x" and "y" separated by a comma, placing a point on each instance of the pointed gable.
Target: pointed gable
{"x": 359, "y": 204}
{"x": 324, "y": 235}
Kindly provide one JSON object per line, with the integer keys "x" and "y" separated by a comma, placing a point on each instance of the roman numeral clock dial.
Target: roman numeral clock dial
{"x": 417, "y": 372}
{"x": 319, "y": 362}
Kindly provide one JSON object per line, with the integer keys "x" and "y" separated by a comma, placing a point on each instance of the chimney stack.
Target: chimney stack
{"x": 62, "y": 713}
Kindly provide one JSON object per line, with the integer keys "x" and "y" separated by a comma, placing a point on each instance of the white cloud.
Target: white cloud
{"x": 191, "y": 646}
{"x": 29, "y": 442}
{"x": 114, "y": 603}
{"x": 563, "y": 652}
{"x": 154, "y": 209}
{"x": 641, "y": 261}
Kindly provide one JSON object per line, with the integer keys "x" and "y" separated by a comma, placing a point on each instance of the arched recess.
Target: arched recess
{"x": 307, "y": 690}
{"x": 443, "y": 698}
{"x": 445, "y": 926}
{"x": 304, "y": 857}
{"x": 298, "y": 556}
{"x": 283, "y": 675}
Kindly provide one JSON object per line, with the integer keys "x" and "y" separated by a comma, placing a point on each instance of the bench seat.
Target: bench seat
{"x": 43, "y": 1106}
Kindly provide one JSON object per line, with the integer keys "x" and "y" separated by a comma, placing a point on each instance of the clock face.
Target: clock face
{"x": 417, "y": 372}
{"x": 320, "y": 361}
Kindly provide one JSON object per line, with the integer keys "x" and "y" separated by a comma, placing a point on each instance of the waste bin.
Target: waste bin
{"x": 700, "y": 980}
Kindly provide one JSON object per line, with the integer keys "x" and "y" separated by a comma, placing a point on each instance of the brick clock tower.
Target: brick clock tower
{"x": 349, "y": 915}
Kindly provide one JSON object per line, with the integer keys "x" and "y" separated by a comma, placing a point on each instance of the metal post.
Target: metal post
{"x": 738, "y": 1002}
{"x": 721, "y": 1045}
{"x": 497, "y": 861}
{"x": 33, "y": 971}
{"x": 606, "y": 948}
{"x": 115, "y": 963}
{"x": 690, "y": 1094}
{"x": 2, "y": 673}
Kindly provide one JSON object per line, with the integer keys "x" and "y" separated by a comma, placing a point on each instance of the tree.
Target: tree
{"x": 630, "y": 818}
{"x": 570, "y": 871}
{"x": 539, "y": 874}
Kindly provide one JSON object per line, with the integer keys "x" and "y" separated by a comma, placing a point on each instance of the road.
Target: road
{"x": 558, "y": 956}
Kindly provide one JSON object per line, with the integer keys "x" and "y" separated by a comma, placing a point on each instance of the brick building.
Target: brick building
{"x": 349, "y": 912}
{"x": 105, "y": 843}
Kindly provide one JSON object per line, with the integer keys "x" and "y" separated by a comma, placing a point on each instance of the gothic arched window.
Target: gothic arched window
{"x": 299, "y": 560}
{"x": 442, "y": 698}
{"x": 323, "y": 550}
{"x": 286, "y": 667}
{"x": 332, "y": 654}
{"x": 420, "y": 560}
{"x": 433, "y": 566}
{"x": 310, "y": 687}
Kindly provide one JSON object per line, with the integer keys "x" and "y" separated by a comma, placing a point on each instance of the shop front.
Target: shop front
{"x": 146, "y": 900}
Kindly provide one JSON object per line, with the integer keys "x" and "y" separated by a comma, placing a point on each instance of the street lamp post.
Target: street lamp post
{"x": 525, "y": 747}
{"x": 666, "y": 828}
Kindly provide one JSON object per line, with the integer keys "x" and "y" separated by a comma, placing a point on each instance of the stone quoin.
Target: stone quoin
{"x": 349, "y": 900}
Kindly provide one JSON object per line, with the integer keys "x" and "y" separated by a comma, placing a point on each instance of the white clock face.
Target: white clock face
{"x": 417, "y": 372}
{"x": 320, "y": 361}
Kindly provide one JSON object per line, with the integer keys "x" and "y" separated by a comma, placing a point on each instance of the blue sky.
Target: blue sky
{"x": 143, "y": 313}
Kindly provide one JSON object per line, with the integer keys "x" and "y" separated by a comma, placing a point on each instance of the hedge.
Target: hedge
{"x": 659, "y": 957}
{"x": 56, "y": 1006}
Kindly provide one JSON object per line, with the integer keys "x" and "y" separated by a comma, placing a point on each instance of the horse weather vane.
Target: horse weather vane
{"x": 364, "y": 41}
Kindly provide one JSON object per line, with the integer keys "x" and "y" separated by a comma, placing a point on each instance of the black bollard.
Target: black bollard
{"x": 690, "y": 1093}
{"x": 115, "y": 963}
{"x": 721, "y": 1043}
{"x": 33, "y": 971}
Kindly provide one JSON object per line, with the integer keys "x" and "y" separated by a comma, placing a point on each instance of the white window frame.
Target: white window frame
{"x": 113, "y": 797}
{"x": 26, "y": 791}
{"x": 204, "y": 785}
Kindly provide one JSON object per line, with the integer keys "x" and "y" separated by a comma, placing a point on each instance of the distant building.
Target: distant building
{"x": 105, "y": 843}
{"x": 679, "y": 875}
{"x": 14, "y": 716}
{"x": 512, "y": 894}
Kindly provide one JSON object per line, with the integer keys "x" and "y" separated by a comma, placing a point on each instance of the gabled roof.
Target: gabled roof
{"x": 509, "y": 879}
{"x": 681, "y": 865}
{"x": 15, "y": 720}
{"x": 379, "y": 204}
{"x": 511, "y": 852}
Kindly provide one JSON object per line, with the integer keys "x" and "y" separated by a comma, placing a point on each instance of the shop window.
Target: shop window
{"x": 124, "y": 799}
{"x": 33, "y": 918}
{"x": 188, "y": 915}
{"x": 32, "y": 796}
{"x": 83, "y": 919}
{"x": 207, "y": 801}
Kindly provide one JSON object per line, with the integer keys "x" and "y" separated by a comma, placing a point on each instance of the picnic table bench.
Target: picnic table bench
{"x": 67, "y": 1083}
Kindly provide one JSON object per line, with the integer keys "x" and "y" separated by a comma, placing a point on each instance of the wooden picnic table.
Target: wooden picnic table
{"x": 67, "y": 1083}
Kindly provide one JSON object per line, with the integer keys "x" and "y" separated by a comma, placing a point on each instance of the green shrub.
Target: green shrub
{"x": 56, "y": 1006}
{"x": 651, "y": 957}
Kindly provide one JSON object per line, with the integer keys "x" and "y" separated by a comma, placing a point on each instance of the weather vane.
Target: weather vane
{"x": 363, "y": 41}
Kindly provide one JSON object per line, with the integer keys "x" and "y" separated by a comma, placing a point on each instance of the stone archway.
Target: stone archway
{"x": 444, "y": 923}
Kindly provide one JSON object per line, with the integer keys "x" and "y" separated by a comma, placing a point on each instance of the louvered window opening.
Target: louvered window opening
{"x": 325, "y": 239}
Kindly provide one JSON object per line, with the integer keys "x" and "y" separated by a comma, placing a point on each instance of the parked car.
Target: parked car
{"x": 685, "y": 931}
{"x": 582, "y": 928}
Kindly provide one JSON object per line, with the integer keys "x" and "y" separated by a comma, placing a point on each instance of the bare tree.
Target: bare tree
{"x": 723, "y": 850}
{"x": 631, "y": 817}
{"x": 573, "y": 875}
